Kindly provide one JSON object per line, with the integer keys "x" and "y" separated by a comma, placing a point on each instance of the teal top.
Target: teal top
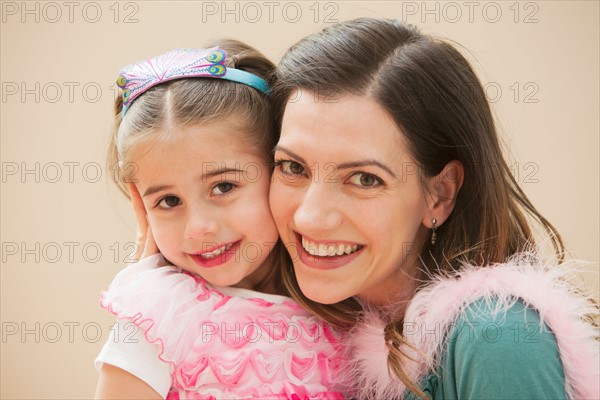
{"x": 509, "y": 356}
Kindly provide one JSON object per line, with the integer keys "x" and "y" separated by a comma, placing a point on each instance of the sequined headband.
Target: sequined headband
{"x": 137, "y": 78}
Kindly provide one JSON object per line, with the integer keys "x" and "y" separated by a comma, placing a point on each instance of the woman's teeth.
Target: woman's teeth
{"x": 216, "y": 252}
{"x": 328, "y": 250}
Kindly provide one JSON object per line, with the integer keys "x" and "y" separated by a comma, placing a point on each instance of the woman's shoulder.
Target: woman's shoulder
{"x": 521, "y": 320}
{"x": 489, "y": 351}
{"x": 515, "y": 334}
{"x": 485, "y": 320}
{"x": 518, "y": 293}
{"x": 511, "y": 351}
{"x": 508, "y": 314}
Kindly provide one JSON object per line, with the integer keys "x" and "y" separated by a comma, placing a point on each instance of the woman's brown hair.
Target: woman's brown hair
{"x": 435, "y": 98}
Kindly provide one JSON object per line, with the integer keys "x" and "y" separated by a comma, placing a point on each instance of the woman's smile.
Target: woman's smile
{"x": 326, "y": 254}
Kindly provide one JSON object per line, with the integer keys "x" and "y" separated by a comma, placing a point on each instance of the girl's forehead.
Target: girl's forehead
{"x": 213, "y": 143}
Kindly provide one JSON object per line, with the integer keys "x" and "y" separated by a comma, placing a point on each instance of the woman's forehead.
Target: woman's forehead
{"x": 349, "y": 125}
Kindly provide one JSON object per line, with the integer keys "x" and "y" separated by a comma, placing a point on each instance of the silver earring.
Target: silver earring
{"x": 433, "y": 229}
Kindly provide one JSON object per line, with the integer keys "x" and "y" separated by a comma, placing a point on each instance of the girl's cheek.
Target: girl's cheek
{"x": 160, "y": 232}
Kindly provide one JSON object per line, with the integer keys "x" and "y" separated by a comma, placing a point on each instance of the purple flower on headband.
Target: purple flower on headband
{"x": 137, "y": 78}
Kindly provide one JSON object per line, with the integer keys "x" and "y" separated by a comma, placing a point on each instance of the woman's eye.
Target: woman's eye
{"x": 169, "y": 202}
{"x": 362, "y": 179}
{"x": 222, "y": 188}
{"x": 292, "y": 168}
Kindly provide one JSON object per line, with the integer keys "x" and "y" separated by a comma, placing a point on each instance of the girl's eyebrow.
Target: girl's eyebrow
{"x": 210, "y": 174}
{"x": 220, "y": 171}
{"x": 352, "y": 164}
{"x": 154, "y": 189}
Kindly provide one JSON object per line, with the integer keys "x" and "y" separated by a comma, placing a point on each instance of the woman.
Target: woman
{"x": 404, "y": 222}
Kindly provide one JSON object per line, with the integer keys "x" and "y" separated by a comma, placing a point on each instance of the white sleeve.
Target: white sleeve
{"x": 128, "y": 349}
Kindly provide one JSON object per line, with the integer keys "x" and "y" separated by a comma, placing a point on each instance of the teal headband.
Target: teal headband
{"x": 137, "y": 78}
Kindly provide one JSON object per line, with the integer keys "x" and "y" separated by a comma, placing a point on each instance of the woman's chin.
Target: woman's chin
{"x": 322, "y": 295}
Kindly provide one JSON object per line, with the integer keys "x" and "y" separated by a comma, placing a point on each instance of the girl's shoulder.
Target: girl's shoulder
{"x": 174, "y": 302}
{"x": 230, "y": 339}
{"x": 152, "y": 284}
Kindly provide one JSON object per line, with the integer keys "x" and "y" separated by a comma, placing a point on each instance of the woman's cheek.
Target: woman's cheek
{"x": 276, "y": 202}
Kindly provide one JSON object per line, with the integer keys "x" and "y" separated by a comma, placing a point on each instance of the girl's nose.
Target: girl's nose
{"x": 201, "y": 221}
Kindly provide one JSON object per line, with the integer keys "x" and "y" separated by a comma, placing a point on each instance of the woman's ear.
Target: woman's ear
{"x": 442, "y": 192}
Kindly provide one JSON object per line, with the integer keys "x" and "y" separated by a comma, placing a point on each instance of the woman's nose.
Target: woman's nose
{"x": 318, "y": 209}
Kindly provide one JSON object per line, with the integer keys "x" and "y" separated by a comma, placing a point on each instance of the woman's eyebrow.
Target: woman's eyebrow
{"x": 352, "y": 164}
{"x": 365, "y": 163}
{"x": 289, "y": 152}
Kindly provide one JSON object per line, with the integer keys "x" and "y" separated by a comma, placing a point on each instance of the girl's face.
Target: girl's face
{"x": 348, "y": 200}
{"x": 206, "y": 195}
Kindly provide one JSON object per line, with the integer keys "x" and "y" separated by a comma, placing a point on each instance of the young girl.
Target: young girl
{"x": 393, "y": 198}
{"x": 193, "y": 133}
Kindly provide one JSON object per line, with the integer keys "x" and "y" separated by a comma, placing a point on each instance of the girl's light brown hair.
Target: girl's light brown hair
{"x": 435, "y": 98}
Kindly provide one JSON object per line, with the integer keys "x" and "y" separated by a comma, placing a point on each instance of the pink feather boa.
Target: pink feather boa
{"x": 443, "y": 301}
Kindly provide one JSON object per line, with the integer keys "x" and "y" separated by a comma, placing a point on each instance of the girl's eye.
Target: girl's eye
{"x": 222, "y": 188}
{"x": 291, "y": 167}
{"x": 365, "y": 180}
{"x": 169, "y": 202}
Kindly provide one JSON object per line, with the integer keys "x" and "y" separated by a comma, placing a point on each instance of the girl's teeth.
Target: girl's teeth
{"x": 216, "y": 252}
{"x": 324, "y": 250}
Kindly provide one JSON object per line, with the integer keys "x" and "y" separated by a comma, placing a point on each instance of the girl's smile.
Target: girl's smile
{"x": 217, "y": 255}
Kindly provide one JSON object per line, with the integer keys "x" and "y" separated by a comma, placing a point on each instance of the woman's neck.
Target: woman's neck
{"x": 395, "y": 294}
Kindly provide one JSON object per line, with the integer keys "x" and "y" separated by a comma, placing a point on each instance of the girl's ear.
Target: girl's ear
{"x": 442, "y": 192}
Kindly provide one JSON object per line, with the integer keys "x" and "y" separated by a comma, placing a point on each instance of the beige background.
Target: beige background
{"x": 540, "y": 62}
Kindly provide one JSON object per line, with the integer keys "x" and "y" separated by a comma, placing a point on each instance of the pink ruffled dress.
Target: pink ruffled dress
{"x": 227, "y": 343}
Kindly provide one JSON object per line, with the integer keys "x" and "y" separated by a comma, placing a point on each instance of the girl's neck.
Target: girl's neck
{"x": 258, "y": 280}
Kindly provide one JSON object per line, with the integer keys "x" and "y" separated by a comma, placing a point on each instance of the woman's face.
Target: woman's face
{"x": 348, "y": 201}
